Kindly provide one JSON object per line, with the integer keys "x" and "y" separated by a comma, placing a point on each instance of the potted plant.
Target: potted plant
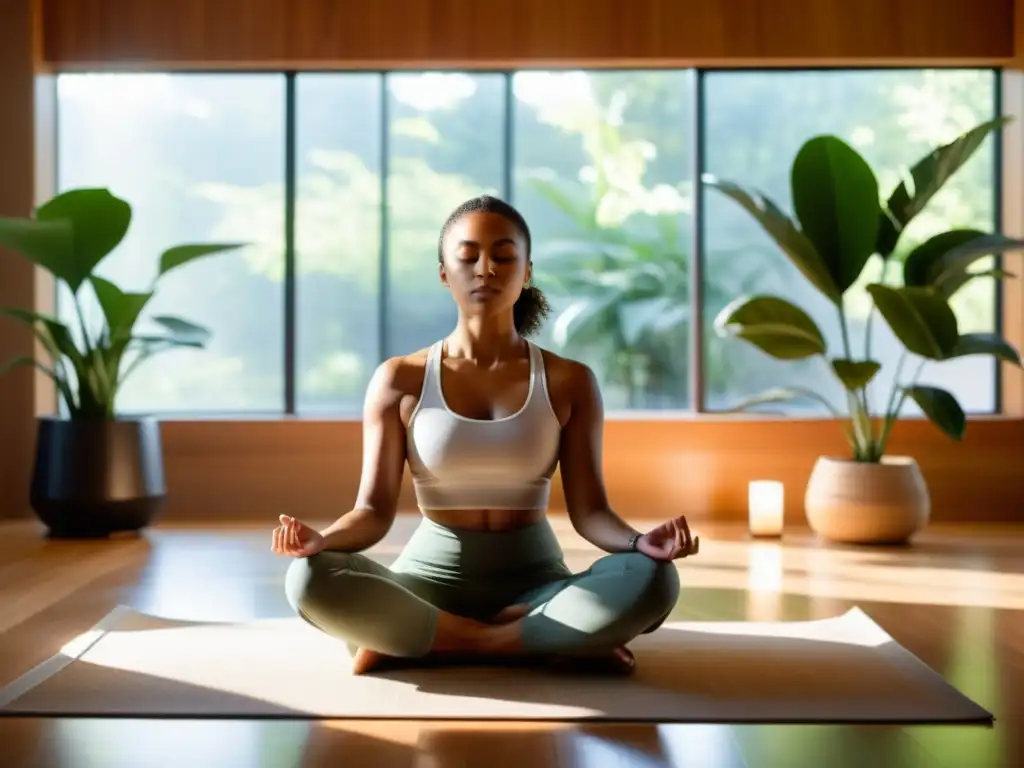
{"x": 95, "y": 472}
{"x": 840, "y": 223}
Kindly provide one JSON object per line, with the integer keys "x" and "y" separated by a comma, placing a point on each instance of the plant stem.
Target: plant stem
{"x": 85, "y": 330}
{"x": 868, "y": 325}
{"x": 859, "y": 411}
{"x": 890, "y": 414}
{"x": 60, "y": 370}
{"x": 103, "y": 397}
{"x": 893, "y": 409}
{"x": 95, "y": 399}
{"x": 844, "y": 329}
{"x": 895, "y": 383}
{"x": 871, "y": 312}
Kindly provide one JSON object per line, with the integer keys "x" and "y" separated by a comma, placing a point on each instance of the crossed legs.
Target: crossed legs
{"x": 408, "y": 615}
{"x": 619, "y": 597}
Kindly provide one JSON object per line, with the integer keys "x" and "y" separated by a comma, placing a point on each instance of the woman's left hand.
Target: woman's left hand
{"x": 669, "y": 541}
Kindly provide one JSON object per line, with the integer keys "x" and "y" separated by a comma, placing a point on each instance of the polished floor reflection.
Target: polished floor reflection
{"x": 955, "y": 599}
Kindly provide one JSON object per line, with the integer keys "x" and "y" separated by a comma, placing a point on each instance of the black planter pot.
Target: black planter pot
{"x": 93, "y": 478}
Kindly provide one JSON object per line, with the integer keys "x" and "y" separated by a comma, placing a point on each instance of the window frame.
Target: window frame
{"x": 1008, "y": 205}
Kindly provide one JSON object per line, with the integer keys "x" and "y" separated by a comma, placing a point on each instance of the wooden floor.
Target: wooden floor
{"x": 956, "y": 599}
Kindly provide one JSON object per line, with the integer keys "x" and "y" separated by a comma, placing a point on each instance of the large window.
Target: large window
{"x": 341, "y": 182}
{"x": 199, "y": 157}
{"x": 604, "y": 175}
{"x": 337, "y": 235}
{"x": 754, "y": 124}
{"x": 446, "y": 138}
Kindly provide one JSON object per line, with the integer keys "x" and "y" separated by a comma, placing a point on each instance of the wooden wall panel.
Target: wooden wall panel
{"x": 654, "y": 467}
{"x": 1012, "y": 200}
{"x": 403, "y": 33}
{"x": 701, "y": 466}
{"x": 1012, "y": 291}
{"x": 17, "y": 277}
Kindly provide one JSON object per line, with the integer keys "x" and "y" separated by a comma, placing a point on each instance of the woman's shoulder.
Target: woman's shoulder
{"x": 566, "y": 372}
{"x": 402, "y": 374}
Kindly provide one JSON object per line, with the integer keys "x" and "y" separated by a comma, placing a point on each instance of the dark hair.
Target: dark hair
{"x": 532, "y": 306}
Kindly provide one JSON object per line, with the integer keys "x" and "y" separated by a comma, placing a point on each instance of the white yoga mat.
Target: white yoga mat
{"x": 844, "y": 669}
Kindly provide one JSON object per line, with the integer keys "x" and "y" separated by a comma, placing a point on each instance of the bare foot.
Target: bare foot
{"x": 618, "y": 660}
{"x": 511, "y": 613}
{"x": 497, "y": 641}
{"x": 625, "y": 657}
{"x": 365, "y": 660}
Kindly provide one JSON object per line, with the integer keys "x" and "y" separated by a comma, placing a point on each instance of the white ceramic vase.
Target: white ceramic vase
{"x": 856, "y": 502}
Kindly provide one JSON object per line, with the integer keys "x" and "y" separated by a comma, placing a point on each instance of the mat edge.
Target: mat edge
{"x": 46, "y": 669}
{"x": 53, "y": 665}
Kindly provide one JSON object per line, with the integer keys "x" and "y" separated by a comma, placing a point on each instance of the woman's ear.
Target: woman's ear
{"x": 442, "y": 274}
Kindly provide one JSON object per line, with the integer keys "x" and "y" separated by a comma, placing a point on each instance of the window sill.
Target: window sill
{"x": 666, "y": 416}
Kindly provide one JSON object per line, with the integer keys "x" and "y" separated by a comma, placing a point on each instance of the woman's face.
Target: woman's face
{"x": 485, "y": 263}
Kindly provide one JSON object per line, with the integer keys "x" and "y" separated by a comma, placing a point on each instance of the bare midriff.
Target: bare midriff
{"x": 484, "y": 519}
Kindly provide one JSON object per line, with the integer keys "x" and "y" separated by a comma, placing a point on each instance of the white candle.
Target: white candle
{"x": 765, "y": 507}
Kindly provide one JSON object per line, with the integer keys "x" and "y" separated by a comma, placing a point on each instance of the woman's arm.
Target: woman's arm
{"x": 580, "y": 460}
{"x": 383, "y": 464}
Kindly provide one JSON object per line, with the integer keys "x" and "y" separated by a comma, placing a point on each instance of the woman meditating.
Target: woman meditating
{"x": 482, "y": 418}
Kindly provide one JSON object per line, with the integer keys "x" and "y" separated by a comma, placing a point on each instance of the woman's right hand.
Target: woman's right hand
{"x": 296, "y": 539}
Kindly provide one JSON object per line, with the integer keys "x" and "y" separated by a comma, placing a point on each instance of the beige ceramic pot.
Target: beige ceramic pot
{"x": 860, "y": 503}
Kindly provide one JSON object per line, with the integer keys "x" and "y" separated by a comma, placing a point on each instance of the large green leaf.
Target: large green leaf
{"x": 773, "y": 325}
{"x": 180, "y": 255}
{"x": 49, "y": 244}
{"x": 54, "y": 335}
{"x": 158, "y": 340}
{"x": 794, "y": 243}
{"x": 148, "y": 346}
{"x": 183, "y": 331}
{"x": 919, "y": 317}
{"x": 941, "y": 408}
{"x": 178, "y": 333}
{"x": 99, "y": 221}
{"x": 59, "y": 343}
{"x": 120, "y": 309}
{"x": 27, "y": 362}
{"x": 59, "y": 381}
{"x": 951, "y": 268}
{"x": 985, "y": 344}
{"x": 855, "y": 374}
{"x": 943, "y": 260}
{"x": 953, "y": 284}
{"x": 835, "y": 196}
{"x": 927, "y": 177}
{"x": 919, "y": 266}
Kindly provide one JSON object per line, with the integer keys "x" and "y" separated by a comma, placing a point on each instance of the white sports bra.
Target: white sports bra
{"x": 462, "y": 463}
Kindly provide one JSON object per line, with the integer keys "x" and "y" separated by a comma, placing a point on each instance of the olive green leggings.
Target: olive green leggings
{"x": 393, "y": 610}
